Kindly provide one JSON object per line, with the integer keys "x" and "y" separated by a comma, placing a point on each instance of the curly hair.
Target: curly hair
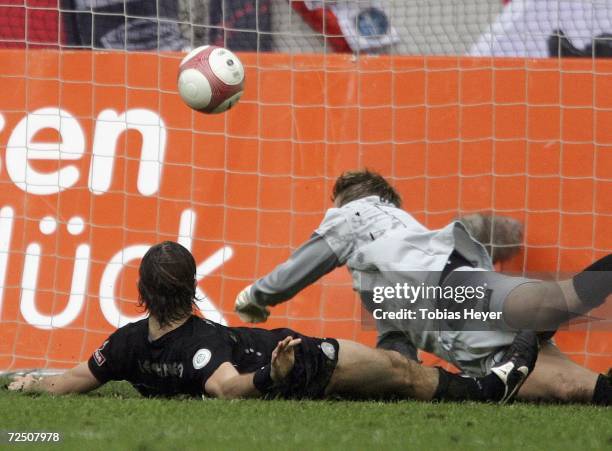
{"x": 167, "y": 284}
{"x": 353, "y": 185}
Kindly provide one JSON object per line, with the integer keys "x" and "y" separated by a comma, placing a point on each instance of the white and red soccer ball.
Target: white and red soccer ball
{"x": 211, "y": 79}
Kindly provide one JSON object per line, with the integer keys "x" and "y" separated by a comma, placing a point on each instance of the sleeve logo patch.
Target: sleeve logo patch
{"x": 201, "y": 358}
{"x": 329, "y": 350}
{"x": 98, "y": 356}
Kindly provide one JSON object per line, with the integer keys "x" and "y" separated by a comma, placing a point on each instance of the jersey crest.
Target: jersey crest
{"x": 201, "y": 358}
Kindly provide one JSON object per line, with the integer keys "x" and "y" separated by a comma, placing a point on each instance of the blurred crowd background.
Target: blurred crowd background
{"x": 426, "y": 27}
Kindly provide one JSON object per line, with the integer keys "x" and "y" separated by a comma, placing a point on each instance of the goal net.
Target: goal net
{"x": 467, "y": 106}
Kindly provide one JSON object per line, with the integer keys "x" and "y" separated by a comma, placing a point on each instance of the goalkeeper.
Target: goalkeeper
{"x": 174, "y": 352}
{"x": 369, "y": 233}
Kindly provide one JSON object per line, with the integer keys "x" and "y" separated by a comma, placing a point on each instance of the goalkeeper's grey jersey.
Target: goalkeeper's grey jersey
{"x": 377, "y": 241}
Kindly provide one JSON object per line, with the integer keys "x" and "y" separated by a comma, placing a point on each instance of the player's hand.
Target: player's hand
{"x": 22, "y": 383}
{"x": 283, "y": 358}
{"x": 248, "y": 309}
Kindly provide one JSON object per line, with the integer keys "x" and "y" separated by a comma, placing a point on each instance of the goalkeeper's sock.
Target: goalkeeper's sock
{"x": 602, "y": 395}
{"x": 594, "y": 284}
{"x": 452, "y": 387}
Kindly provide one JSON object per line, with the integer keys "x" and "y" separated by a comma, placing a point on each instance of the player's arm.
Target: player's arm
{"x": 76, "y": 380}
{"x": 227, "y": 383}
{"x": 311, "y": 261}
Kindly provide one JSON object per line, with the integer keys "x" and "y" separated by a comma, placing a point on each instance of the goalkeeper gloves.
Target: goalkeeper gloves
{"x": 248, "y": 309}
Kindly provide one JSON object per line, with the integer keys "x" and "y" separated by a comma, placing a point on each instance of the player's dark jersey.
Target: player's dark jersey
{"x": 182, "y": 360}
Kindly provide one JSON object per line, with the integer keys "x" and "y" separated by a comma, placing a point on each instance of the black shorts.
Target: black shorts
{"x": 315, "y": 362}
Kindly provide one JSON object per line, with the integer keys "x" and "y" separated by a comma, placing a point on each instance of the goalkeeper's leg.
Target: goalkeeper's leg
{"x": 557, "y": 378}
{"x": 544, "y": 306}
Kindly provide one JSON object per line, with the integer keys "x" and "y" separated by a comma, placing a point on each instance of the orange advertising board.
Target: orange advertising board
{"x": 100, "y": 159}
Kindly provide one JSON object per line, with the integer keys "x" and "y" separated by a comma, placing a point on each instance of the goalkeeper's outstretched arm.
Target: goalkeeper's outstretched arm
{"x": 76, "y": 380}
{"x": 311, "y": 261}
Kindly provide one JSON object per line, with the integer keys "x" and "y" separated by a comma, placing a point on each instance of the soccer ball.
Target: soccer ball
{"x": 211, "y": 79}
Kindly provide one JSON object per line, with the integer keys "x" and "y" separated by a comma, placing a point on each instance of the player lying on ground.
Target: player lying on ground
{"x": 369, "y": 233}
{"x": 174, "y": 352}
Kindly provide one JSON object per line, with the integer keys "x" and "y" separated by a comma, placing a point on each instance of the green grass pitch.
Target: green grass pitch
{"x": 116, "y": 417}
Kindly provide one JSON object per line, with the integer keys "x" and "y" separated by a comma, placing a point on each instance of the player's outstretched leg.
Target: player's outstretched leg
{"x": 363, "y": 372}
